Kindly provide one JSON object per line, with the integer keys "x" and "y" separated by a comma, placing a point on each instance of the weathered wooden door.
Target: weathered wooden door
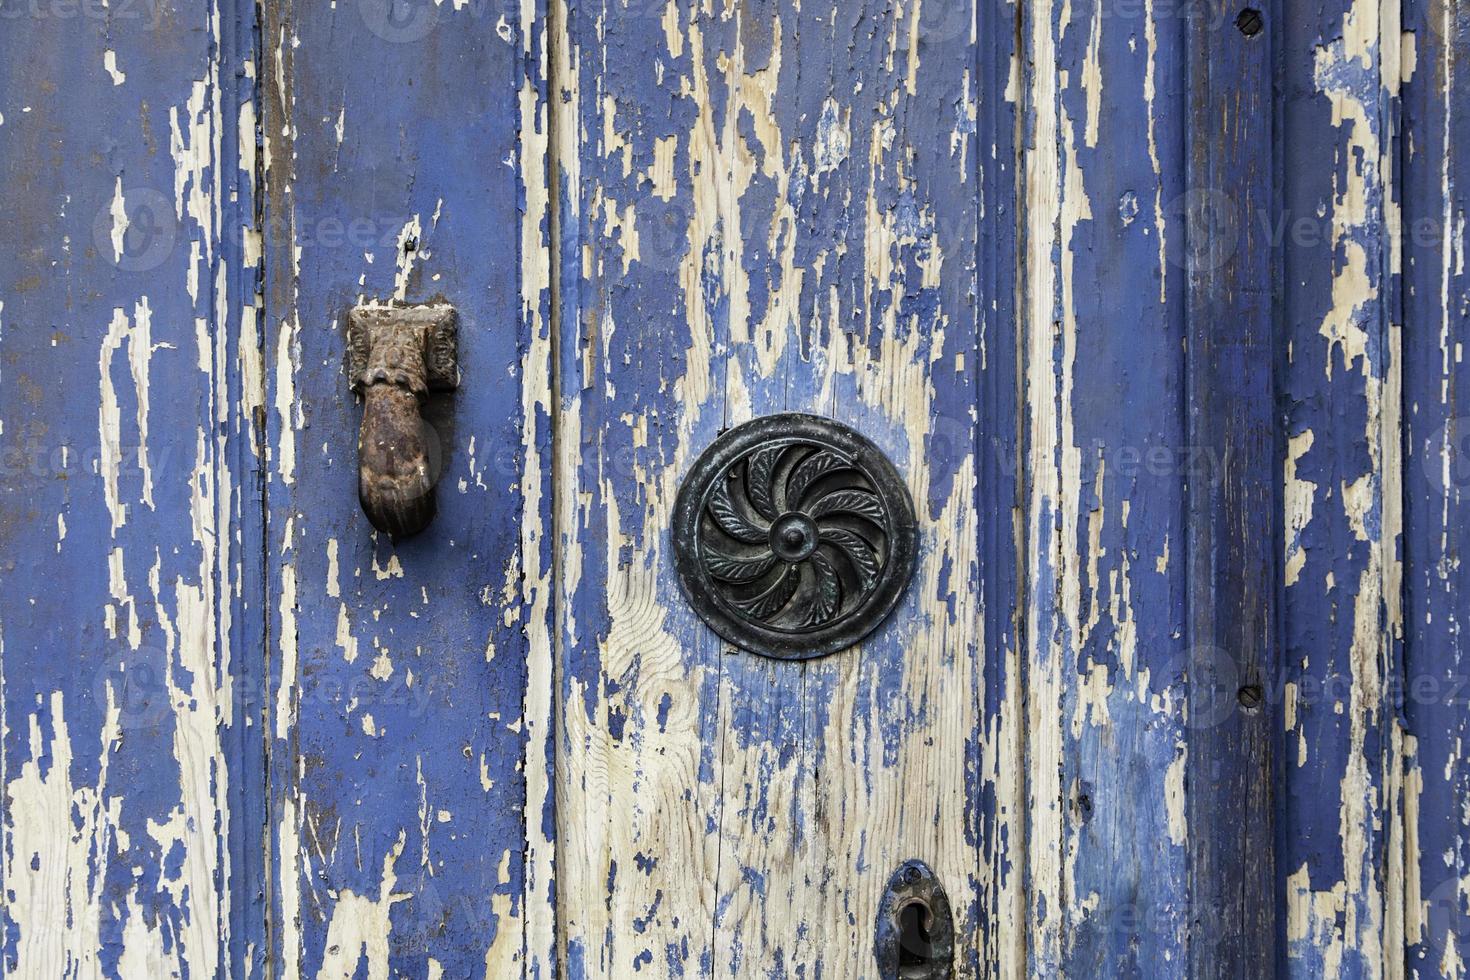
{"x": 1155, "y": 309}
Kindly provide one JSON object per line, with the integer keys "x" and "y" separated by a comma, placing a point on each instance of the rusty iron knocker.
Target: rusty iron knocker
{"x": 397, "y": 355}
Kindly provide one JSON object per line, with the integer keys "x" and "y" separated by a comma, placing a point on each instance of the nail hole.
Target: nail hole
{"x": 1084, "y": 805}
{"x": 1250, "y": 21}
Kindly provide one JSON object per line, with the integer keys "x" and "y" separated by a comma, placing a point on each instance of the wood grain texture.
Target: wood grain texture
{"x": 1435, "y": 297}
{"x": 1105, "y": 456}
{"x": 766, "y": 207}
{"x": 1001, "y": 779}
{"x": 130, "y": 627}
{"x": 410, "y": 771}
{"x": 1341, "y": 405}
{"x": 1158, "y": 308}
{"x": 1232, "y": 479}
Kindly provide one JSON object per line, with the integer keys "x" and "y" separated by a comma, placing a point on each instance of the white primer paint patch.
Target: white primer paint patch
{"x": 137, "y": 333}
{"x": 360, "y": 926}
{"x": 119, "y": 212}
{"x": 109, "y": 62}
{"x": 58, "y": 840}
{"x": 286, "y": 407}
{"x": 1174, "y": 796}
{"x": 1299, "y": 497}
{"x": 410, "y": 245}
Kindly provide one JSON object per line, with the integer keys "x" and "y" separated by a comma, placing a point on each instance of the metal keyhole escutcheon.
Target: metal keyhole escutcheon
{"x": 794, "y": 536}
{"x": 914, "y": 934}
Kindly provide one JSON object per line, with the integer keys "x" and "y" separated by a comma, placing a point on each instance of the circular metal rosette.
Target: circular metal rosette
{"x": 794, "y": 536}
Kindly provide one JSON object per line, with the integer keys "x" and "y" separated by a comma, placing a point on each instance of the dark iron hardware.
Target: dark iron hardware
{"x": 794, "y": 536}
{"x": 396, "y": 355}
{"x": 915, "y": 929}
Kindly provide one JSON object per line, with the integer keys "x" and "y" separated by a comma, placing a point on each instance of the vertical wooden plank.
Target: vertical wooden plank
{"x": 767, "y": 207}
{"x": 538, "y": 279}
{"x": 1435, "y": 47}
{"x": 1001, "y": 819}
{"x": 885, "y": 334}
{"x": 1341, "y": 486}
{"x": 1231, "y": 556}
{"x": 405, "y": 162}
{"x": 889, "y": 767}
{"x": 1104, "y": 296}
{"x": 130, "y": 623}
{"x": 244, "y": 366}
{"x": 636, "y": 790}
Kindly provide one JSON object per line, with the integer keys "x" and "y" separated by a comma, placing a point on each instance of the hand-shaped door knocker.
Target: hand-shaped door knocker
{"x": 396, "y": 355}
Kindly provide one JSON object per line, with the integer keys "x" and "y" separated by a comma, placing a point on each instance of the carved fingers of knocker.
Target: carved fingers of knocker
{"x": 394, "y": 484}
{"x": 395, "y": 357}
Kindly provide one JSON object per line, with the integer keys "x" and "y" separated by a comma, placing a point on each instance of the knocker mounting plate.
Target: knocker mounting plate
{"x": 794, "y": 536}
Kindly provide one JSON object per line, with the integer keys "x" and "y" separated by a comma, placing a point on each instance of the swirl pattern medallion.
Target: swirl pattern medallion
{"x": 794, "y": 536}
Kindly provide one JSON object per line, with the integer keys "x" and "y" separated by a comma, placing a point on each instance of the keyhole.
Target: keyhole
{"x": 915, "y": 930}
{"x": 915, "y": 949}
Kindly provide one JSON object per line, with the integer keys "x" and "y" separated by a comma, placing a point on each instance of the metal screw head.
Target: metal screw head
{"x": 1250, "y": 697}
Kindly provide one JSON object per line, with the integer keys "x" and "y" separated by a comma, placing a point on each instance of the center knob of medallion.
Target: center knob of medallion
{"x": 793, "y": 537}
